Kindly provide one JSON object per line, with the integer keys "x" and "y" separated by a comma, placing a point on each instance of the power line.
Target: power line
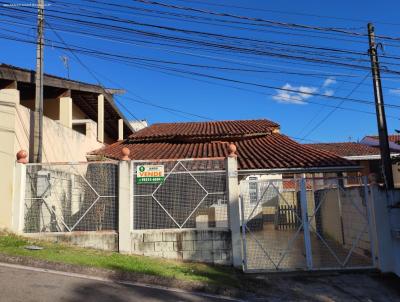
{"x": 276, "y": 23}
{"x": 279, "y": 55}
{"x": 256, "y": 84}
{"x": 124, "y": 21}
{"x": 334, "y": 109}
{"x": 288, "y": 12}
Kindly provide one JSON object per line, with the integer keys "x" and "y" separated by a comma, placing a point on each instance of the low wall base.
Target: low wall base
{"x": 211, "y": 246}
{"x": 107, "y": 241}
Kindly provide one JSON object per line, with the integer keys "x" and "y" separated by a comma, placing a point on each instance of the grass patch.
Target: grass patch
{"x": 56, "y": 252}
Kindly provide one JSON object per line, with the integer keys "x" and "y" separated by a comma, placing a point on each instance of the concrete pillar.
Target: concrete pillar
{"x": 66, "y": 111}
{"x": 305, "y": 221}
{"x": 120, "y": 129}
{"x": 125, "y": 203}
{"x": 381, "y": 236}
{"x": 19, "y": 198}
{"x": 9, "y": 99}
{"x": 100, "y": 118}
{"x": 232, "y": 183}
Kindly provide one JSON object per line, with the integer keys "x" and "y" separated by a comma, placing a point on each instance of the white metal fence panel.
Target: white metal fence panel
{"x": 307, "y": 224}
{"x": 71, "y": 197}
{"x": 192, "y": 194}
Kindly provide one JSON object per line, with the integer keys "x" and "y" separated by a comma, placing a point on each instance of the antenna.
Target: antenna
{"x": 65, "y": 61}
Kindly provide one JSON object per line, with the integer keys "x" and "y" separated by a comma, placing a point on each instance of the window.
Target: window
{"x": 81, "y": 128}
{"x": 253, "y": 189}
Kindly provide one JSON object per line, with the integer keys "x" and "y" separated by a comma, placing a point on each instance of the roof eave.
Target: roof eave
{"x": 368, "y": 157}
{"x": 300, "y": 170}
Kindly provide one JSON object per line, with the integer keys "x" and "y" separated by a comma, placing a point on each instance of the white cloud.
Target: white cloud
{"x": 294, "y": 95}
{"x": 329, "y": 92}
{"x": 395, "y": 91}
{"x": 306, "y": 91}
{"x": 329, "y": 81}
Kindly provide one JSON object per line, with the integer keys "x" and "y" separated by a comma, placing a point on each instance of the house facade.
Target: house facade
{"x": 265, "y": 157}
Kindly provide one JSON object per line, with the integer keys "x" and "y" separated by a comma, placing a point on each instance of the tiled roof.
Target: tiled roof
{"x": 347, "y": 148}
{"x": 195, "y": 130}
{"x": 393, "y": 138}
{"x": 255, "y": 151}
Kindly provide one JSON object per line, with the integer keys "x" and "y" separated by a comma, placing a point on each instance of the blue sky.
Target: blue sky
{"x": 214, "y": 99}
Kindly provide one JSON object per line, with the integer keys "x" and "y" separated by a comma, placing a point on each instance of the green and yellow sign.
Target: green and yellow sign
{"x": 149, "y": 174}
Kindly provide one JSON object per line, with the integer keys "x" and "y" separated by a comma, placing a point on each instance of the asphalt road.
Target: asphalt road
{"x": 27, "y": 284}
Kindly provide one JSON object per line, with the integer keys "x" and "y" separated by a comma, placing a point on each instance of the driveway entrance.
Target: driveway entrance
{"x": 305, "y": 224}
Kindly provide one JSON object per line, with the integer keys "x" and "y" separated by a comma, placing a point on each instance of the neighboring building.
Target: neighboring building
{"x": 373, "y": 141}
{"x": 138, "y": 125}
{"x": 78, "y": 117}
{"x": 367, "y": 156}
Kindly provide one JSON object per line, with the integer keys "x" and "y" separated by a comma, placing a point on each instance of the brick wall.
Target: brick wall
{"x": 213, "y": 246}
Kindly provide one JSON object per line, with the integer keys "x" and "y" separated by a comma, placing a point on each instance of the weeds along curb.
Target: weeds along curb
{"x": 120, "y": 276}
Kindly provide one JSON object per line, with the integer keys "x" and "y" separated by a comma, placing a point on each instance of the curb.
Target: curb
{"x": 126, "y": 278}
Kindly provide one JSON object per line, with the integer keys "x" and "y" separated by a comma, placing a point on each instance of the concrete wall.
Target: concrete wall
{"x": 342, "y": 216}
{"x": 9, "y": 99}
{"x": 60, "y": 144}
{"x": 107, "y": 241}
{"x": 213, "y": 246}
{"x": 396, "y": 175}
{"x": 394, "y": 215}
{"x": 386, "y": 228}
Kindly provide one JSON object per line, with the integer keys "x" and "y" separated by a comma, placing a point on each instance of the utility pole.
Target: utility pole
{"x": 380, "y": 110}
{"x": 38, "y": 115}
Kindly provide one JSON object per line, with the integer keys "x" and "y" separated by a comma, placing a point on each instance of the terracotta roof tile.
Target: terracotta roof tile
{"x": 217, "y": 129}
{"x": 393, "y": 138}
{"x": 273, "y": 151}
{"x": 347, "y": 148}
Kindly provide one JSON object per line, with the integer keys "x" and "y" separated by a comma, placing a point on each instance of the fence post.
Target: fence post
{"x": 371, "y": 219}
{"x": 232, "y": 185}
{"x": 18, "y": 206}
{"x": 125, "y": 203}
{"x": 306, "y": 226}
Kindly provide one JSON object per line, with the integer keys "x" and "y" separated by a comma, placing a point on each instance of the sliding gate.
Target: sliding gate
{"x": 305, "y": 224}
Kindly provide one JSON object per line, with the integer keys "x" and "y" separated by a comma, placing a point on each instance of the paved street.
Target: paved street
{"x": 18, "y": 284}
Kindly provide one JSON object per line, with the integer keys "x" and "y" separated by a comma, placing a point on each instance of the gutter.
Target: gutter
{"x": 368, "y": 157}
{"x": 300, "y": 170}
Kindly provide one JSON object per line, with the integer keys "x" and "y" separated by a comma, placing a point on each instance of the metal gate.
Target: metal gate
{"x": 305, "y": 224}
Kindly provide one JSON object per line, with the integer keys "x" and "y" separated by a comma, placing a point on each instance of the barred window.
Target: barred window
{"x": 253, "y": 189}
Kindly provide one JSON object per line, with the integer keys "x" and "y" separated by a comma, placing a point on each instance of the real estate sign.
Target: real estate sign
{"x": 149, "y": 174}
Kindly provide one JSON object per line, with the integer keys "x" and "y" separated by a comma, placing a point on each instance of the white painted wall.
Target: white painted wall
{"x": 60, "y": 143}
{"x": 269, "y": 198}
{"x": 9, "y": 99}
